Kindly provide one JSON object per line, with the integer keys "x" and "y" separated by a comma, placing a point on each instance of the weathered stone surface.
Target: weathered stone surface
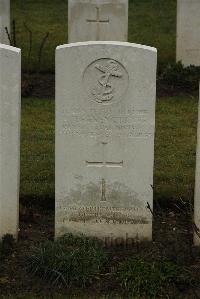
{"x": 197, "y": 186}
{"x": 188, "y": 32}
{"x": 10, "y": 77}
{"x": 105, "y": 120}
{"x": 93, "y": 20}
{"x": 4, "y": 20}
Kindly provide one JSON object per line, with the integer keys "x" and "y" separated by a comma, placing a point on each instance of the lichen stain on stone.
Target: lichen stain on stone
{"x": 121, "y": 206}
{"x": 117, "y": 195}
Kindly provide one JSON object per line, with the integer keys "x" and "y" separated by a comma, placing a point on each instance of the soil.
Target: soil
{"x": 172, "y": 239}
{"x": 166, "y": 90}
{"x": 38, "y": 85}
{"x": 42, "y": 85}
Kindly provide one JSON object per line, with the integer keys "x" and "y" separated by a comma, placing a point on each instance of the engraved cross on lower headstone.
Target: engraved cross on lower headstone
{"x": 98, "y": 21}
{"x": 104, "y": 164}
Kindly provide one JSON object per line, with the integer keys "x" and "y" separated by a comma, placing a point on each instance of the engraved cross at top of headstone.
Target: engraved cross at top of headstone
{"x": 104, "y": 164}
{"x": 98, "y": 22}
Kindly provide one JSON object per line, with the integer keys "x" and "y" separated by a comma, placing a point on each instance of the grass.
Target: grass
{"x": 80, "y": 267}
{"x": 37, "y": 151}
{"x": 175, "y": 147}
{"x": 150, "y": 279}
{"x": 151, "y": 22}
{"x": 40, "y": 16}
{"x": 78, "y": 263}
{"x": 68, "y": 261}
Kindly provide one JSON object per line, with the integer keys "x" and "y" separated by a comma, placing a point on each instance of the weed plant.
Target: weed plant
{"x": 69, "y": 261}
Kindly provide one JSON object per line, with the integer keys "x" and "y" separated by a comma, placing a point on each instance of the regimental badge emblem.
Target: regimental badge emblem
{"x": 106, "y": 81}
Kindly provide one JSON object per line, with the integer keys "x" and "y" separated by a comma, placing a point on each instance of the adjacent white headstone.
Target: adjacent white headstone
{"x": 188, "y": 32}
{"x": 10, "y": 77}
{"x": 94, "y": 20}
{"x": 197, "y": 187}
{"x": 4, "y": 21}
{"x": 105, "y": 120}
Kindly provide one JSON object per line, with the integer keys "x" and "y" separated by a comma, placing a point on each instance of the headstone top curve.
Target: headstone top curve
{"x": 111, "y": 43}
{"x": 10, "y": 48}
{"x": 95, "y": 1}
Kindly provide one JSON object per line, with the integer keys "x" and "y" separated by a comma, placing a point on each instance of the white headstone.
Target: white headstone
{"x": 94, "y": 20}
{"x": 188, "y": 32}
{"x": 4, "y": 21}
{"x": 105, "y": 119}
{"x": 197, "y": 186}
{"x": 10, "y": 77}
